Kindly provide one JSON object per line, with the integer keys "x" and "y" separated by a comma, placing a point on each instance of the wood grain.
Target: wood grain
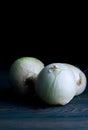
{"x": 25, "y": 112}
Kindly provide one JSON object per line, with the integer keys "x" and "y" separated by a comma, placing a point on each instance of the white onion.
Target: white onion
{"x": 24, "y": 72}
{"x": 80, "y": 78}
{"x": 56, "y": 84}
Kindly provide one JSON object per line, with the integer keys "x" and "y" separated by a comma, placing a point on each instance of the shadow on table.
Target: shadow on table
{"x": 23, "y": 100}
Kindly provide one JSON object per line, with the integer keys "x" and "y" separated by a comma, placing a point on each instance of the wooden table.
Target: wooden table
{"x": 23, "y": 112}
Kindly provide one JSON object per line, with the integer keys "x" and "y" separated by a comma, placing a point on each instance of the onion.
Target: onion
{"x": 56, "y": 84}
{"x": 23, "y": 73}
{"x": 80, "y": 78}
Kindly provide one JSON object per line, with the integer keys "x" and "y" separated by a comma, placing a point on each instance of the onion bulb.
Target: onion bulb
{"x": 80, "y": 79}
{"x": 56, "y": 84}
{"x": 23, "y": 73}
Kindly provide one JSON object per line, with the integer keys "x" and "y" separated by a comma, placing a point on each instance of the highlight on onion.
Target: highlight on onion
{"x": 80, "y": 78}
{"x": 56, "y": 84}
{"x": 24, "y": 72}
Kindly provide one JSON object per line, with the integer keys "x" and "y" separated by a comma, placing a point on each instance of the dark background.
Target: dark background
{"x": 48, "y": 33}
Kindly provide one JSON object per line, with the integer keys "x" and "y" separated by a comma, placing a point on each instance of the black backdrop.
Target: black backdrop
{"x": 51, "y": 35}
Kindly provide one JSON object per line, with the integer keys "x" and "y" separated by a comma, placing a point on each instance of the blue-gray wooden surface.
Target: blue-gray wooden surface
{"x": 23, "y": 112}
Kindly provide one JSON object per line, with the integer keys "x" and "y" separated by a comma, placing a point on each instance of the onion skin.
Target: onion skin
{"x": 56, "y": 84}
{"x": 23, "y": 73}
{"x": 80, "y": 79}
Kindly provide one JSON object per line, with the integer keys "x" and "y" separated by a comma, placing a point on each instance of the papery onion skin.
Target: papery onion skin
{"x": 23, "y": 73}
{"x": 56, "y": 84}
{"x": 80, "y": 78}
